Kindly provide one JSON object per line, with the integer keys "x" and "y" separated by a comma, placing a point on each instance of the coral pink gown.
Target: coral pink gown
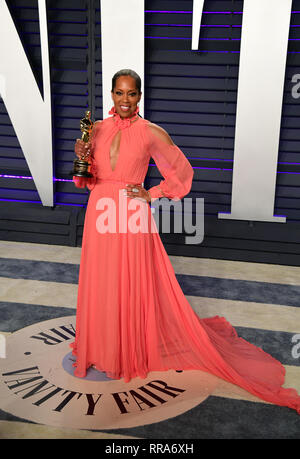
{"x": 132, "y": 316}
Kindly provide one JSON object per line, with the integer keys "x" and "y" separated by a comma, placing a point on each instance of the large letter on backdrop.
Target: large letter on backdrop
{"x": 263, "y": 53}
{"x": 122, "y": 43}
{"x": 197, "y": 16}
{"x": 29, "y": 113}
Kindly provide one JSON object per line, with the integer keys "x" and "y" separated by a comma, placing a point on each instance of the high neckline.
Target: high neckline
{"x": 123, "y": 123}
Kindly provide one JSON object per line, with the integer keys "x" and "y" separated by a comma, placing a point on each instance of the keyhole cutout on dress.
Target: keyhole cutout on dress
{"x": 114, "y": 150}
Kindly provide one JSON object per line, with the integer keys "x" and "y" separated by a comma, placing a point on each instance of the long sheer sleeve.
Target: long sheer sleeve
{"x": 173, "y": 166}
{"x": 82, "y": 182}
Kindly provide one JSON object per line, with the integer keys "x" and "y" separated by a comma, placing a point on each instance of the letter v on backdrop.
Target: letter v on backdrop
{"x": 30, "y": 114}
{"x": 259, "y": 101}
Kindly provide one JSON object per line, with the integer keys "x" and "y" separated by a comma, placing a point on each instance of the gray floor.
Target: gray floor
{"x": 262, "y": 301}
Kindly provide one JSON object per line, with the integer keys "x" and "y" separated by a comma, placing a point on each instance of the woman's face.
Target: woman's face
{"x": 125, "y": 96}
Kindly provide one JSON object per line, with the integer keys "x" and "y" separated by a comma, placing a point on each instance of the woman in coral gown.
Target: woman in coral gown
{"x": 132, "y": 316}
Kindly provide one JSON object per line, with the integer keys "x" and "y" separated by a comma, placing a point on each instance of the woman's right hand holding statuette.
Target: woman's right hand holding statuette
{"x": 82, "y": 149}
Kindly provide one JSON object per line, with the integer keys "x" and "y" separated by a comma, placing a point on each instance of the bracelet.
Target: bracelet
{"x": 161, "y": 191}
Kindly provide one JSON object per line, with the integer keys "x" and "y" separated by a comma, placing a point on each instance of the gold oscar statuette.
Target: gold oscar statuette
{"x": 80, "y": 166}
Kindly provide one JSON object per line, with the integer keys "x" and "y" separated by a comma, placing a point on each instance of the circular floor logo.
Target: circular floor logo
{"x": 37, "y": 383}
